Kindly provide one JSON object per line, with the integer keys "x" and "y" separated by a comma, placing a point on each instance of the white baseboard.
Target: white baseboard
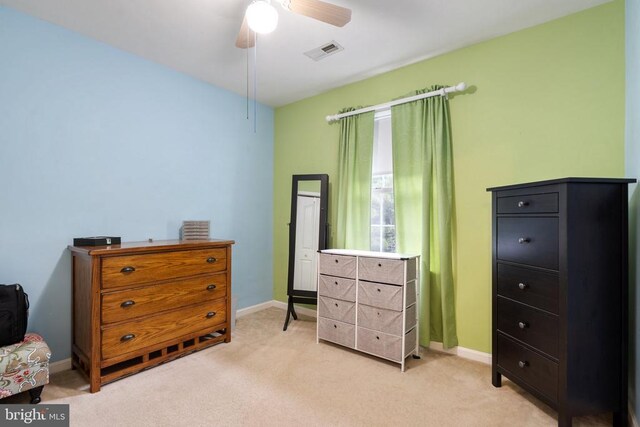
{"x": 273, "y": 303}
{"x": 60, "y": 366}
{"x": 302, "y": 310}
{"x": 254, "y": 308}
{"x": 465, "y": 353}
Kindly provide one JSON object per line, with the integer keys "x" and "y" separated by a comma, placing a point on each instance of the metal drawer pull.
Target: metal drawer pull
{"x": 211, "y": 260}
{"x": 336, "y": 282}
{"x": 336, "y": 261}
{"x": 522, "y": 204}
{"x": 523, "y": 240}
{"x": 523, "y": 325}
{"x": 335, "y": 326}
{"x": 377, "y": 337}
{"x": 127, "y": 337}
{"x": 522, "y": 286}
{"x": 379, "y": 265}
{"x": 523, "y": 363}
{"x": 378, "y": 289}
{"x": 128, "y": 269}
{"x": 127, "y": 304}
{"x": 211, "y": 314}
{"x": 211, "y": 287}
{"x": 336, "y": 304}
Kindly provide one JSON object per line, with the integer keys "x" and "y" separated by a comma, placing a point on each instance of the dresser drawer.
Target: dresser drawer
{"x": 388, "y": 321}
{"x": 132, "y": 336}
{"x": 338, "y": 265}
{"x": 336, "y": 287}
{"x": 532, "y": 241}
{"x": 131, "y": 270}
{"x": 528, "y": 366}
{"x": 385, "y": 296}
{"x": 383, "y": 270}
{"x": 337, "y": 309}
{"x": 534, "y": 287}
{"x": 128, "y": 304}
{"x": 337, "y": 332}
{"x": 528, "y": 203}
{"x": 386, "y": 345}
{"x": 529, "y": 325}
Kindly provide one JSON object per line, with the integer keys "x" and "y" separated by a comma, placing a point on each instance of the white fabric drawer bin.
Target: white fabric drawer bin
{"x": 386, "y": 345}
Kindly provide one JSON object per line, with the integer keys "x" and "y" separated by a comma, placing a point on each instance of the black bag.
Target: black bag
{"x": 14, "y": 312}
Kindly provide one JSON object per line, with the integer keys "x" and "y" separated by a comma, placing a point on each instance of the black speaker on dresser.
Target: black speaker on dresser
{"x": 560, "y": 293}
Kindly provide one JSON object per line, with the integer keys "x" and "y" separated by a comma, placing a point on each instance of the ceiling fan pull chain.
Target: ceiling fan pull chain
{"x": 247, "y": 76}
{"x": 255, "y": 73}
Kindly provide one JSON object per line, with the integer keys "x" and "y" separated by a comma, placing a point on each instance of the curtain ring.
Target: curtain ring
{"x": 443, "y": 93}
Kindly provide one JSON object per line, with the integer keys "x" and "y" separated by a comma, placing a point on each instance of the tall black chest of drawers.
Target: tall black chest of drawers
{"x": 560, "y": 293}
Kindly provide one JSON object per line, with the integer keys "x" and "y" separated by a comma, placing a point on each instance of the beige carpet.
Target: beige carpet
{"x": 267, "y": 377}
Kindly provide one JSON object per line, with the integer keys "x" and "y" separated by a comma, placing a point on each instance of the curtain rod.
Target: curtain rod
{"x": 457, "y": 88}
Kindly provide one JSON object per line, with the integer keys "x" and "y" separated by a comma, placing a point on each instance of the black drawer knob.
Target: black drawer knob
{"x": 379, "y": 290}
{"x": 211, "y": 287}
{"x": 127, "y": 269}
{"x": 127, "y": 337}
{"x": 523, "y": 325}
{"x": 522, "y": 286}
{"x": 336, "y": 304}
{"x": 523, "y": 204}
{"x": 523, "y": 240}
{"x": 127, "y": 304}
{"x": 377, "y": 337}
{"x": 379, "y": 264}
{"x": 335, "y": 326}
{"x": 211, "y": 260}
{"x": 336, "y": 282}
{"x": 336, "y": 261}
{"x": 523, "y": 364}
{"x": 211, "y": 314}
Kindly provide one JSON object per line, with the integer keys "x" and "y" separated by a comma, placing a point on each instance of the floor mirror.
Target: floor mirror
{"x": 308, "y": 231}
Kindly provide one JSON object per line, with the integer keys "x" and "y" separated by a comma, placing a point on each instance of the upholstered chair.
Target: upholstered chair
{"x": 24, "y": 366}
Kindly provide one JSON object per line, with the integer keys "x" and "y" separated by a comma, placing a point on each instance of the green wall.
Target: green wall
{"x": 544, "y": 102}
{"x": 633, "y": 171}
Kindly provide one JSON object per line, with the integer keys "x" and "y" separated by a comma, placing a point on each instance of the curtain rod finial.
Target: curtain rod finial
{"x": 461, "y": 86}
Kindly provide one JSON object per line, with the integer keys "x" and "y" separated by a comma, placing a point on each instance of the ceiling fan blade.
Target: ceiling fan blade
{"x": 320, "y": 10}
{"x": 246, "y": 37}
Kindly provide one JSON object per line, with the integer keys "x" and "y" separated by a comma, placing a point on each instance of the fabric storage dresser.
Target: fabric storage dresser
{"x": 368, "y": 301}
{"x": 560, "y": 293}
{"x": 136, "y": 305}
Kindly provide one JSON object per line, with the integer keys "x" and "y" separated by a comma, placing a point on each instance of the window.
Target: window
{"x": 383, "y": 228}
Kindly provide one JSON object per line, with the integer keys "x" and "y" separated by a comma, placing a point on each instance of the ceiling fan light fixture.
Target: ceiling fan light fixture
{"x": 262, "y": 17}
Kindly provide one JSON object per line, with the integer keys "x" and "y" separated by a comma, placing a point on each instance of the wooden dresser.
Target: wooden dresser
{"x": 136, "y": 305}
{"x": 560, "y": 293}
{"x": 368, "y": 301}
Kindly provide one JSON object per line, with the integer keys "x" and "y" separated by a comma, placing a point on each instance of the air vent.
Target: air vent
{"x": 324, "y": 51}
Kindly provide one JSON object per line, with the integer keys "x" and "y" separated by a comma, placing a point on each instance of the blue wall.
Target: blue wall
{"x": 97, "y": 141}
{"x": 632, "y": 156}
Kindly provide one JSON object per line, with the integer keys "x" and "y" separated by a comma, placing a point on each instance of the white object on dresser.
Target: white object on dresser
{"x": 368, "y": 301}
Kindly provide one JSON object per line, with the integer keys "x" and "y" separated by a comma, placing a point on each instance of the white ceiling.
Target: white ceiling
{"x": 197, "y": 36}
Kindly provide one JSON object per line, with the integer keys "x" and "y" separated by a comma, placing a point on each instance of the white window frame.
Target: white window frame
{"x": 382, "y": 115}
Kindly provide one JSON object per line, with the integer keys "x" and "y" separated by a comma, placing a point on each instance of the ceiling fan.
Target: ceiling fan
{"x": 261, "y": 17}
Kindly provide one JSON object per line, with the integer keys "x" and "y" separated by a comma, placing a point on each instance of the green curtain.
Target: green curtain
{"x": 353, "y": 202}
{"x": 423, "y": 198}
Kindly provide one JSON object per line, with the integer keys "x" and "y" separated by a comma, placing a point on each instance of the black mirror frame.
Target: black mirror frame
{"x": 301, "y": 296}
